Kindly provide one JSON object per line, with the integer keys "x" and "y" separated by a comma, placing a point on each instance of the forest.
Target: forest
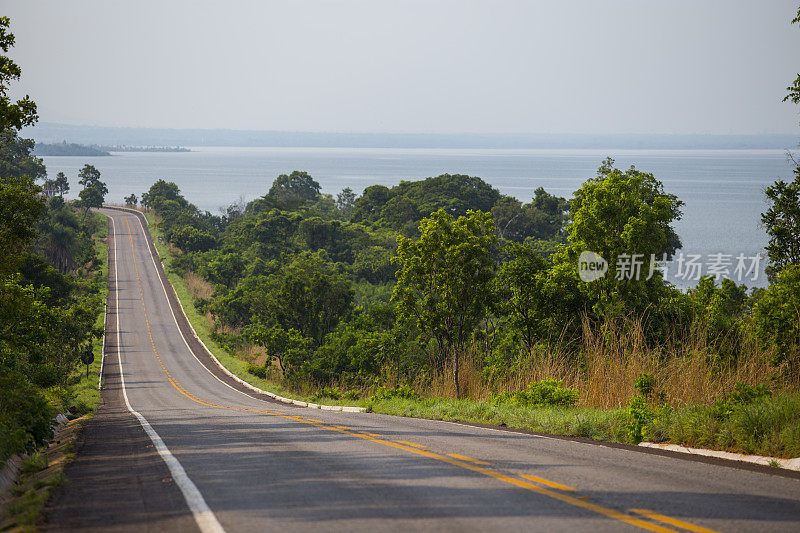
{"x": 52, "y": 281}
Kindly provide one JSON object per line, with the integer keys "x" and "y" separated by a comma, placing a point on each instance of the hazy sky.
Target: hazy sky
{"x": 412, "y": 66}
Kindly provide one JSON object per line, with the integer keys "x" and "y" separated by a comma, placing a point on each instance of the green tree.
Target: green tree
{"x": 782, "y": 223}
{"x": 94, "y": 190}
{"x": 521, "y": 281}
{"x": 288, "y": 347}
{"x": 776, "y": 316}
{"x": 131, "y": 200}
{"x": 626, "y": 217}
{"x": 191, "y": 239}
{"x": 61, "y": 184}
{"x": 291, "y": 191}
{"x": 16, "y": 160}
{"x": 20, "y": 208}
{"x": 444, "y": 284}
{"x": 161, "y": 192}
{"x": 345, "y": 202}
{"x": 312, "y": 297}
{"x": 224, "y": 269}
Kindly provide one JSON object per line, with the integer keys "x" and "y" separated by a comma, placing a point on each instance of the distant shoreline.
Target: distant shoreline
{"x": 94, "y": 150}
{"x": 153, "y": 137}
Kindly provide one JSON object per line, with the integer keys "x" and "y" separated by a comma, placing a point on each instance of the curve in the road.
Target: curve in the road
{"x": 206, "y": 518}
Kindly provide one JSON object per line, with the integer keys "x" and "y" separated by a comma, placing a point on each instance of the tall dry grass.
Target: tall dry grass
{"x": 689, "y": 369}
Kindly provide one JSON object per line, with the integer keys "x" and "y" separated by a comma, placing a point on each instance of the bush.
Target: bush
{"x": 401, "y": 391}
{"x": 639, "y": 416}
{"x": 352, "y": 395}
{"x": 540, "y": 394}
{"x": 258, "y": 371}
{"x": 741, "y": 396}
{"x": 333, "y": 393}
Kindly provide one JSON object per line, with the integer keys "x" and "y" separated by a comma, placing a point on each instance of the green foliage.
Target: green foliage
{"x": 646, "y": 385}
{"x": 345, "y": 203}
{"x": 333, "y": 393}
{"x": 288, "y": 347}
{"x": 776, "y": 316}
{"x": 191, "y": 239}
{"x": 258, "y": 371}
{"x": 639, "y": 416}
{"x": 541, "y": 393}
{"x": 291, "y": 191}
{"x": 521, "y": 282}
{"x": 742, "y": 395}
{"x": 619, "y": 214}
{"x": 46, "y": 315}
{"x": 160, "y": 193}
{"x": 444, "y": 284}
{"x": 410, "y": 201}
{"x": 543, "y": 218}
{"x": 131, "y": 200}
{"x": 782, "y": 223}
{"x": 20, "y": 208}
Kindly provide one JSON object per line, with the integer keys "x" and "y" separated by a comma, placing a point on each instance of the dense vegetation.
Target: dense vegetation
{"x": 50, "y": 279}
{"x": 71, "y": 149}
{"x": 343, "y": 292}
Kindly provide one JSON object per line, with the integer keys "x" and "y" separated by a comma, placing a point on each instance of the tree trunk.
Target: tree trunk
{"x": 455, "y": 374}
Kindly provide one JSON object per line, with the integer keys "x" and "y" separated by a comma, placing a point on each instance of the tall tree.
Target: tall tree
{"x": 625, "y": 217}
{"x": 445, "y": 281}
{"x": 15, "y": 153}
{"x": 61, "y": 184}
{"x": 94, "y": 190}
{"x": 782, "y": 223}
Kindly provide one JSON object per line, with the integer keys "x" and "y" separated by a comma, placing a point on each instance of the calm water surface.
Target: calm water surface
{"x": 722, "y": 189}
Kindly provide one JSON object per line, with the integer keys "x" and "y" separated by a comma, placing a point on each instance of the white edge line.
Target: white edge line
{"x": 346, "y": 409}
{"x": 203, "y": 515}
{"x": 103, "y": 341}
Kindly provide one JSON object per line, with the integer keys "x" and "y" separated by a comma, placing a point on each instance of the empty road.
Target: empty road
{"x": 177, "y": 447}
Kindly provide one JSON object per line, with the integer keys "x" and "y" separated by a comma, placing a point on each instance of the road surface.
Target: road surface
{"x": 198, "y": 454}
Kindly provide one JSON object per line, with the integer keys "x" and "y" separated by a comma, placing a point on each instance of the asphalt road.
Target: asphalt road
{"x": 205, "y": 455}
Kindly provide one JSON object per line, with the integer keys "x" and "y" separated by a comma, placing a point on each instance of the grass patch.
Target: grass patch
{"x": 770, "y": 426}
{"x": 598, "y": 424}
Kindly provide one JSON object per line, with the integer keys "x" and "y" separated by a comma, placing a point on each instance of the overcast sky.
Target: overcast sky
{"x": 407, "y": 66}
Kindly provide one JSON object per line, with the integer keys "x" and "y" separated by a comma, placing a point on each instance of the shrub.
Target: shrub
{"x": 352, "y": 395}
{"x": 741, "y": 396}
{"x": 639, "y": 416}
{"x": 645, "y": 384}
{"x": 401, "y": 391}
{"x": 258, "y": 371}
{"x": 330, "y": 392}
{"x": 540, "y": 393}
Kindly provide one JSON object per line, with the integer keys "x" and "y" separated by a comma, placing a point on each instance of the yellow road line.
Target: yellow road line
{"x": 672, "y": 521}
{"x": 414, "y": 444}
{"x": 547, "y": 482}
{"x": 403, "y": 445}
{"x": 468, "y": 459}
{"x": 371, "y": 434}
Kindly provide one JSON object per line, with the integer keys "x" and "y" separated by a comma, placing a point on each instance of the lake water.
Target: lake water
{"x": 722, "y": 189}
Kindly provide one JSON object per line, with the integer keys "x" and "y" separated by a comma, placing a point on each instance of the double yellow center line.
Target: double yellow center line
{"x": 452, "y": 459}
